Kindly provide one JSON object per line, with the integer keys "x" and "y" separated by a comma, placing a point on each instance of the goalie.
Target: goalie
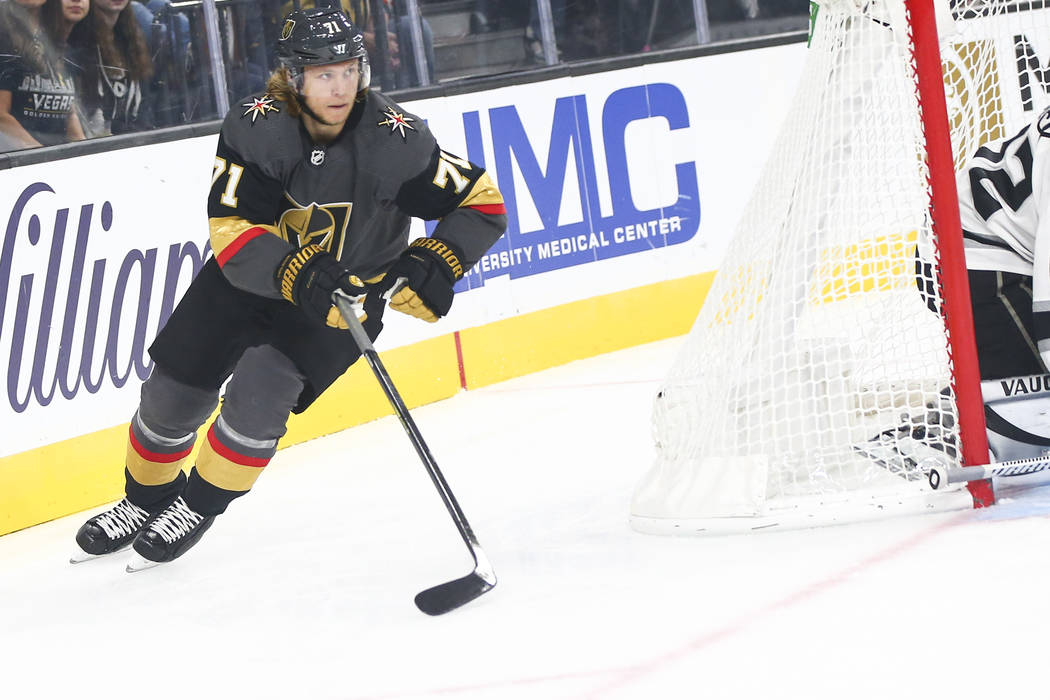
{"x": 1004, "y": 203}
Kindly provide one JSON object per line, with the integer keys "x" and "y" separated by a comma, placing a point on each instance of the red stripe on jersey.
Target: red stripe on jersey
{"x": 490, "y": 208}
{"x": 235, "y": 457}
{"x": 239, "y": 242}
{"x": 160, "y": 457}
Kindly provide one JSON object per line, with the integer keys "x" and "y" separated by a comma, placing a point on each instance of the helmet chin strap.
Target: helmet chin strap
{"x": 313, "y": 115}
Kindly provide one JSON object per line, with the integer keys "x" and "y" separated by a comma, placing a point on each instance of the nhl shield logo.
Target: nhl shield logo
{"x": 317, "y": 156}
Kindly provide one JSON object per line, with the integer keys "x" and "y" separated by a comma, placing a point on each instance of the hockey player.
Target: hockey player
{"x": 312, "y": 192}
{"x": 1004, "y": 203}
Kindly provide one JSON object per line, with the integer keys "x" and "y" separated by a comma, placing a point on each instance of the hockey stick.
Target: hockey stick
{"x": 450, "y": 595}
{"x": 940, "y": 475}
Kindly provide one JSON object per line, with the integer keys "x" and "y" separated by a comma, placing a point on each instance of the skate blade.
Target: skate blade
{"x": 80, "y": 556}
{"x": 141, "y": 564}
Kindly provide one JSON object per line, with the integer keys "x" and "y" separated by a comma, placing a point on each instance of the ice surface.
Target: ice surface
{"x": 304, "y": 588}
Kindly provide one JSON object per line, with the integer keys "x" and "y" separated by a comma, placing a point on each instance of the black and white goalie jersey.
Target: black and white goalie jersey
{"x": 1002, "y": 197}
{"x": 1003, "y": 201}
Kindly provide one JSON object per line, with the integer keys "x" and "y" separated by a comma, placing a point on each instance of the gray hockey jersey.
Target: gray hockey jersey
{"x": 275, "y": 190}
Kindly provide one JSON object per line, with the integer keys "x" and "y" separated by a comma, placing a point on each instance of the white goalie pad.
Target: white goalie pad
{"x": 1017, "y": 416}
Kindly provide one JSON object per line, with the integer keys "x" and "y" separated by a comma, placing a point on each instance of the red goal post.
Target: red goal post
{"x": 816, "y": 362}
{"x": 944, "y": 215}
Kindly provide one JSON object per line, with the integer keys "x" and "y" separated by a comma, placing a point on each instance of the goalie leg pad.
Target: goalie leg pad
{"x": 1017, "y": 416}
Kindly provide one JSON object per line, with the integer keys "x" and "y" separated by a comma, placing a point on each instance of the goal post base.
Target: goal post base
{"x": 813, "y": 512}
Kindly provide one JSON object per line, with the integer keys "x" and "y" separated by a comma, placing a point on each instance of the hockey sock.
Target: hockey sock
{"x": 153, "y": 498}
{"x": 207, "y": 498}
{"x": 153, "y": 465}
{"x": 227, "y": 467}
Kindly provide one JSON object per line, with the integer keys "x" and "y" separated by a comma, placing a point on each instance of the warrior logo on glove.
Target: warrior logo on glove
{"x": 309, "y": 277}
{"x": 426, "y": 272}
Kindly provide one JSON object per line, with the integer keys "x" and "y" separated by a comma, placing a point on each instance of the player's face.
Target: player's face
{"x": 329, "y": 90}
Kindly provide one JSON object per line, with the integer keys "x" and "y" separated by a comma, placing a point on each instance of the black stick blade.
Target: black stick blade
{"x": 451, "y": 595}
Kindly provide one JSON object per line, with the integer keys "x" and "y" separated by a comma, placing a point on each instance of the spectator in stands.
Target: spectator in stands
{"x": 37, "y": 91}
{"x": 58, "y": 18}
{"x": 115, "y": 90}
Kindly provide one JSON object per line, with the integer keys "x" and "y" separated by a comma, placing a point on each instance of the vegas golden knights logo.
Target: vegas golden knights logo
{"x": 321, "y": 224}
{"x": 286, "y": 30}
{"x": 976, "y": 111}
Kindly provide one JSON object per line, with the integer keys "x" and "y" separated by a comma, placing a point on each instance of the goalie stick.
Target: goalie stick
{"x": 887, "y": 454}
{"x": 940, "y": 475}
{"x": 447, "y": 596}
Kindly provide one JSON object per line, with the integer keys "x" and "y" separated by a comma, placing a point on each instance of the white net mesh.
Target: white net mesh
{"x": 816, "y": 377}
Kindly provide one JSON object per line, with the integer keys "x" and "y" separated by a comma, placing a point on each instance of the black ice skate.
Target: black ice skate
{"x": 110, "y": 531}
{"x": 169, "y": 535}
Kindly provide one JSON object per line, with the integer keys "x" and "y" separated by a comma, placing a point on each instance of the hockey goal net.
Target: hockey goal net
{"x": 817, "y": 377}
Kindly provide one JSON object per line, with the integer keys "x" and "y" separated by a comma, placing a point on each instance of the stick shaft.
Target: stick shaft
{"x": 364, "y": 343}
{"x": 1018, "y": 467}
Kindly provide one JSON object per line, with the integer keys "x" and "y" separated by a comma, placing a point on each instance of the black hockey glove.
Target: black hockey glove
{"x": 308, "y": 278}
{"x": 422, "y": 279}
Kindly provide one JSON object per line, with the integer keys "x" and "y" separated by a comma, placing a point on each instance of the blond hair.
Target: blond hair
{"x": 280, "y": 87}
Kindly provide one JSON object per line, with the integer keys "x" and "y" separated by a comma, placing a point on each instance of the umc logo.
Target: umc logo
{"x": 575, "y": 226}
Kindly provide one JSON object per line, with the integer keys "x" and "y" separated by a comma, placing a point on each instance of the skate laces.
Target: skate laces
{"x": 176, "y": 520}
{"x": 122, "y": 519}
